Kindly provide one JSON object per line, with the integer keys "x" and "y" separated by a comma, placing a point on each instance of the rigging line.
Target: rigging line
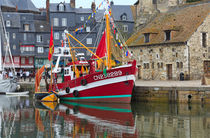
{"x": 99, "y": 32}
{"x": 123, "y": 40}
{"x": 87, "y": 35}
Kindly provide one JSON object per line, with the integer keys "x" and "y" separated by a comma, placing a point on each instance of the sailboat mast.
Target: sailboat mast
{"x": 0, "y": 55}
{"x": 108, "y": 41}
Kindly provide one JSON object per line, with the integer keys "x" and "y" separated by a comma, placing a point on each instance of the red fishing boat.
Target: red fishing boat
{"x": 109, "y": 76}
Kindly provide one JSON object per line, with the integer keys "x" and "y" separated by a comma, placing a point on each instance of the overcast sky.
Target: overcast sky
{"x": 82, "y": 3}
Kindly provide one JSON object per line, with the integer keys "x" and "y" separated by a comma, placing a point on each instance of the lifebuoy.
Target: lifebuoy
{"x": 67, "y": 90}
{"x": 76, "y": 93}
{"x": 83, "y": 82}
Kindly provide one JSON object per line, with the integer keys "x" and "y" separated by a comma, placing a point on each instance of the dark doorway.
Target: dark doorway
{"x": 169, "y": 71}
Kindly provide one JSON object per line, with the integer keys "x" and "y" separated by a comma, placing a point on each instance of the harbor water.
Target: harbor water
{"x": 23, "y": 117}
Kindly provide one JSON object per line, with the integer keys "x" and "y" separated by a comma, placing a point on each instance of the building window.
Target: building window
{"x": 124, "y": 17}
{"x": 181, "y": 65}
{"x": 89, "y": 41}
{"x": 167, "y": 35}
{"x": 204, "y": 39}
{"x": 88, "y": 29}
{"x": 16, "y": 59}
{"x": 64, "y": 21}
{"x": 7, "y": 60}
{"x": 14, "y": 47}
{"x": 39, "y": 38}
{"x": 13, "y": 35}
{"x": 63, "y": 35}
{"x": 61, "y": 7}
{"x": 26, "y": 27}
{"x": 22, "y": 60}
{"x": 55, "y": 21}
{"x": 82, "y": 18}
{"x": 40, "y": 50}
{"x": 24, "y": 36}
{"x": 177, "y": 64}
{"x": 56, "y": 35}
{"x": 154, "y": 1}
{"x": 125, "y": 28}
{"x": 31, "y": 60}
{"x": 146, "y": 38}
{"x": 8, "y": 23}
{"x": 153, "y": 65}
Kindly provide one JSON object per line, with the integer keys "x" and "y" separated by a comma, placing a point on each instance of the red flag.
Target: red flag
{"x": 51, "y": 46}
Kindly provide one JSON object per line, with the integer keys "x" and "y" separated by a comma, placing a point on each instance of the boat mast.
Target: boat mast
{"x": 108, "y": 38}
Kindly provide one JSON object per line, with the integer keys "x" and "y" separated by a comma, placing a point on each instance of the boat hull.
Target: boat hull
{"x": 120, "y": 92}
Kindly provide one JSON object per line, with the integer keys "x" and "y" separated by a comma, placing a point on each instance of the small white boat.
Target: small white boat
{"x": 15, "y": 93}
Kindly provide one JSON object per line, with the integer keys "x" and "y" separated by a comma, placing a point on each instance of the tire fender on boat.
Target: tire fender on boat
{"x": 83, "y": 82}
{"x": 67, "y": 89}
{"x": 76, "y": 93}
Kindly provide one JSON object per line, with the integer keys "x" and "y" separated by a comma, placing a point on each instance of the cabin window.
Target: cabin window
{"x": 204, "y": 39}
{"x": 8, "y": 23}
{"x": 167, "y": 35}
{"x": 55, "y": 21}
{"x": 26, "y": 27}
{"x": 89, "y": 41}
{"x": 64, "y": 21}
{"x": 56, "y": 35}
{"x": 39, "y": 38}
{"x": 125, "y": 28}
{"x": 146, "y": 37}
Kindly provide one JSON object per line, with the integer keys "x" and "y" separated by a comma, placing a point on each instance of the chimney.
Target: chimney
{"x": 16, "y": 8}
{"x": 47, "y": 9}
{"x": 72, "y": 3}
{"x": 93, "y": 6}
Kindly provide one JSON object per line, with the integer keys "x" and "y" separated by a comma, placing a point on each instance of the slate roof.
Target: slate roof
{"x": 53, "y": 7}
{"x": 118, "y": 10}
{"x": 25, "y": 5}
{"x": 183, "y": 23}
{"x": 6, "y": 3}
{"x": 13, "y": 17}
{"x": 42, "y": 26}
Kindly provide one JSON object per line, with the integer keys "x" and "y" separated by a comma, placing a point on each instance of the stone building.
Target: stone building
{"x": 146, "y": 10}
{"x": 175, "y": 44}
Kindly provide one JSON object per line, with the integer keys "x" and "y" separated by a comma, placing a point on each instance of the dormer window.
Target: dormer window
{"x": 146, "y": 37}
{"x": 167, "y": 35}
{"x": 61, "y": 7}
{"x": 124, "y": 17}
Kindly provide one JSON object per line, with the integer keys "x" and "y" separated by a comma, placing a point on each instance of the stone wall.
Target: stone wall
{"x": 152, "y": 60}
{"x": 198, "y": 53}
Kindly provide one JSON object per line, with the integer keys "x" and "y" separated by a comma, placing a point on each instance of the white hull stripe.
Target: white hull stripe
{"x": 100, "y": 83}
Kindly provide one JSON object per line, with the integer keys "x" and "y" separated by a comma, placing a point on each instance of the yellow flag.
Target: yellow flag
{"x": 82, "y": 70}
{"x": 86, "y": 69}
{"x": 77, "y": 73}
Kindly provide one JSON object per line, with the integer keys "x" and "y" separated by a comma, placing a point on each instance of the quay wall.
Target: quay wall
{"x": 171, "y": 94}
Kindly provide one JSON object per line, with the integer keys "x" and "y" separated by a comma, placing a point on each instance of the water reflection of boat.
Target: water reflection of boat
{"x": 95, "y": 120}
